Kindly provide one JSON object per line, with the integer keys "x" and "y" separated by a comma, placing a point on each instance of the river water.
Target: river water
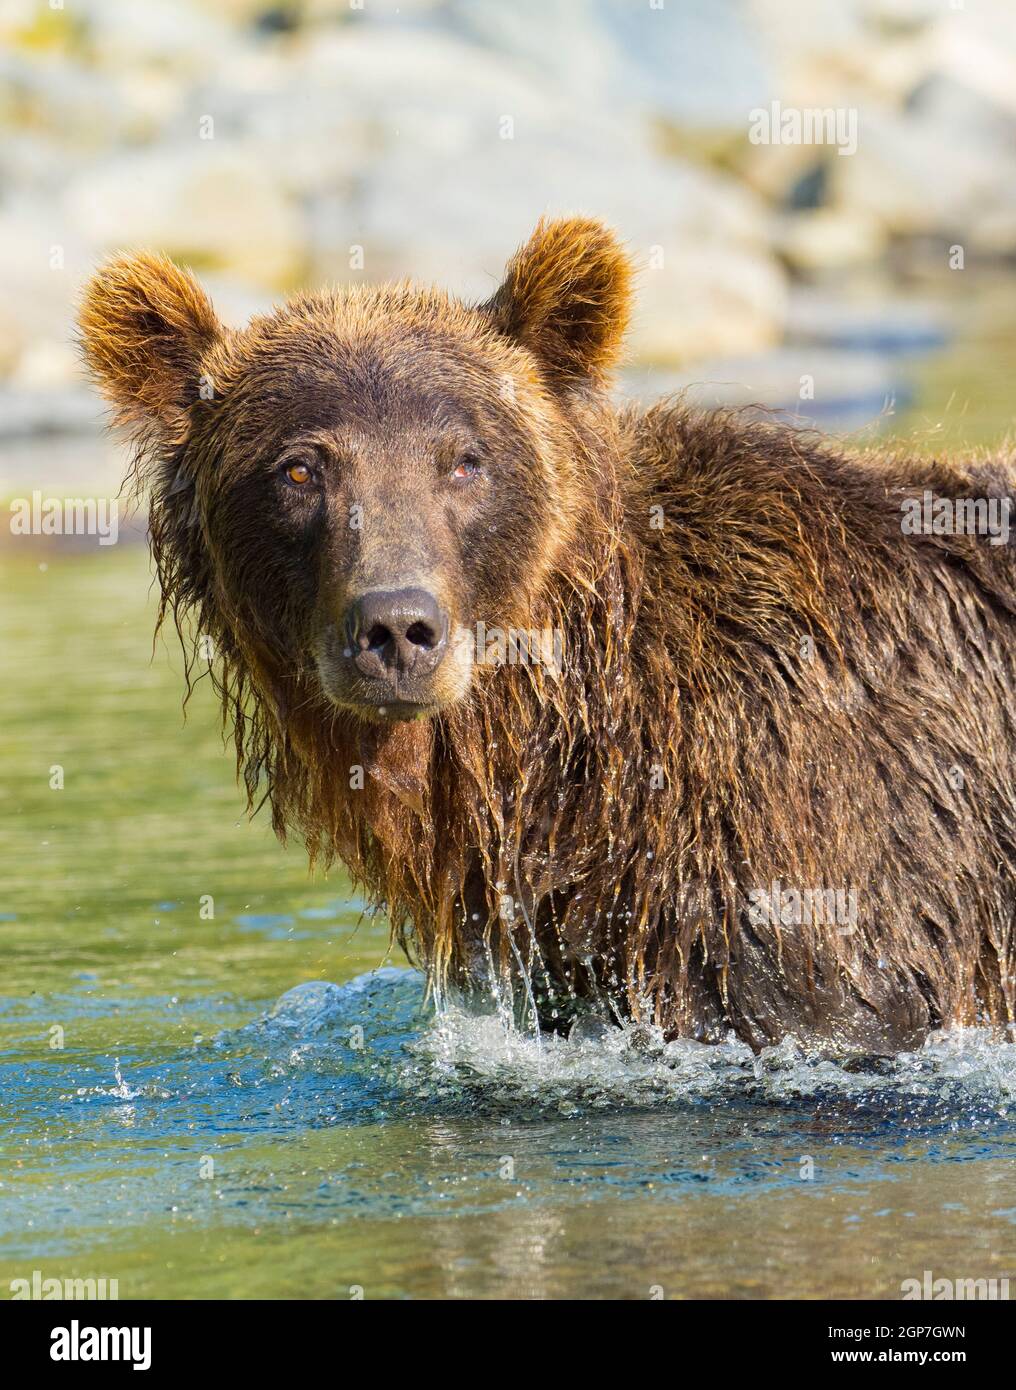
{"x": 261, "y": 1101}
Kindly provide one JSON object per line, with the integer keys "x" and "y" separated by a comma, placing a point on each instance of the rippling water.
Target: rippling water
{"x": 264, "y": 1103}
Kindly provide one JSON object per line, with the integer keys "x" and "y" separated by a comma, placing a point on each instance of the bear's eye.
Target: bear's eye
{"x": 467, "y": 467}
{"x": 299, "y": 474}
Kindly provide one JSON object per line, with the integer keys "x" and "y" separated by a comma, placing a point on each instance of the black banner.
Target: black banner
{"x": 174, "y": 1339}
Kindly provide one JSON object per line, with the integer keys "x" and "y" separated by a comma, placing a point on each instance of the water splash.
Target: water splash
{"x": 378, "y": 1027}
{"x": 362, "y": 1099}
{"x": 121, "y": 1088}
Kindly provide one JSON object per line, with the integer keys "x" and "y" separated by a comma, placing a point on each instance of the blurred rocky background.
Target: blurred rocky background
{"x": 278, "y": 146}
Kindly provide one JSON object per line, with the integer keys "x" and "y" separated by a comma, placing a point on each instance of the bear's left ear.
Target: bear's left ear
{"x": 566, "y": 296}
{"x": 145, "y": 327}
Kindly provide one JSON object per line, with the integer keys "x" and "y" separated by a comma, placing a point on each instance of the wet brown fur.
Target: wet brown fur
{"x": 774, "y": 684}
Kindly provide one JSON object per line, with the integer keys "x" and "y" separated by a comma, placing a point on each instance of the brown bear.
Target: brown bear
{"x": 686, "y": 717}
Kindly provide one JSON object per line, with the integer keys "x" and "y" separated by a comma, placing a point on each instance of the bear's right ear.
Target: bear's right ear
{"x": 566, "y": 296}
{"x": 145, "y": 327}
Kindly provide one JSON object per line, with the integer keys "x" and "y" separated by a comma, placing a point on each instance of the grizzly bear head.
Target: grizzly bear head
{"x": 343, "y": 490}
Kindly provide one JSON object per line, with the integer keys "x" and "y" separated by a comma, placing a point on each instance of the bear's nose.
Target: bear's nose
{"x": 395, "y": 632}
